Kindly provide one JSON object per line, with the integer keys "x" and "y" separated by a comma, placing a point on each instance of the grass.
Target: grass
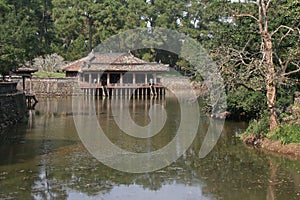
{"x": 258, "y": 127}
{"x": 286, "y": 134}
{"x": 49, "y": 75}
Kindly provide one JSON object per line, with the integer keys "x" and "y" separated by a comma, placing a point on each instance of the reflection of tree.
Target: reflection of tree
{"x": 230, "y": 171}
{"x": 271, "y": 195}
{"x": 45, "y": 186}
{"x": 149, "y": 181}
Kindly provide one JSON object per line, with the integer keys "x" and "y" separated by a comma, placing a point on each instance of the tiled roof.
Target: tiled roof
{"x": 128, "y": 67}
{"x": 25, "y": 70}
{"x": 115, "y": 58}
{"x": 114, "y": 62}
{"x": 75, "y": 65}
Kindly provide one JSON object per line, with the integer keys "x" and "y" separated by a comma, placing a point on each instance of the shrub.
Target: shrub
{"x": 246, "y": 101}
{"x": 286, "y": 134}
{"x": 258, "y": 127}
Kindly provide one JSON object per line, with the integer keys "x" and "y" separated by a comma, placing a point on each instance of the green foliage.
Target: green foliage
{"x": 250, "y": 103}
{"x": 10, "y": 34}
{"x": 286, "y": 133}
{"x": 285, "y": 96}
{"x": 258, "y": 127}
{"x": 25, "y": 32}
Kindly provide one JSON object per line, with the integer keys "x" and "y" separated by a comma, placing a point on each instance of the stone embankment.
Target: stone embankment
{"x": 49, "y": 87}
{"x": 12, "y": 105}
{"x": 183, "y": 83}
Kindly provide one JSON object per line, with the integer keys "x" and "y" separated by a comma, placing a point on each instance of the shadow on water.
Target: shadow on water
{"x": 48, "y": 161}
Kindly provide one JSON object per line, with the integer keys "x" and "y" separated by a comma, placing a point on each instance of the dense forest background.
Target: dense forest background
{"x": 236, "y": 33}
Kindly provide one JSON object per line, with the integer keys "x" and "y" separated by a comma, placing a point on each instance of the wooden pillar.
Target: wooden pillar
{"x": 98, "y": 81}
{"x": 108, "y": 79}
{"x": 23, "y": 77}
{"x": 146, "y": 78}
{"x": 155, "y": 78}
{"x": 30, "y": 86}
{"x": 90, "y": 78}
{"x": 121, "y": 79}
{"x": 133, "y": 78}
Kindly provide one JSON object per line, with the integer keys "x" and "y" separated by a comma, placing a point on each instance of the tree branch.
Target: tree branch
{"x": 264, "y": 15}
{"x": 294, "y": 71}
{"x": 249, "y": 88}
{"x": 268, "y": 4}
{"x": 260, "y": 14}
{"x": 280, "y": 27}
{"x": 245, "y": 15}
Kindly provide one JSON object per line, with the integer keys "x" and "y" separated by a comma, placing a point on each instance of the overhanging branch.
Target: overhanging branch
{"x": 280, "y": 27}
{"x": 245, "y": 15}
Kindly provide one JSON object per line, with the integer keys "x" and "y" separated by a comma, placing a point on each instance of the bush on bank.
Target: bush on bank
{"x": 286, "y": 133}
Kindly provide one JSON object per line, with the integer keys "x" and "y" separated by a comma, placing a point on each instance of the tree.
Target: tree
{"x": 69, "y": 26}
{"x": 43, "y": 12}
{"x": 137, "y": 14}
{"x": 262, "y": 51}
{"x": 48, "y": 63}
{"x": 18, "y": 38}
{"x": 82, "y": 25}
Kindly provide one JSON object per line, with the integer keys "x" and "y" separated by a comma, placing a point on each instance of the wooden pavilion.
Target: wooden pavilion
{"x": 25, "y": 72}
{"x": 118, "y": 74}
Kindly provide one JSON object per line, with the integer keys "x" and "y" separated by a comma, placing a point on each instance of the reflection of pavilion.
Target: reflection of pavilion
{"x": 117, "y": 74}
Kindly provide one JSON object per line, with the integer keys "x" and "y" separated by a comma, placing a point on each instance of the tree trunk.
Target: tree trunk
{"x": 271, "y": 98}
{"x": 90, "y": 33}
{"x": 270, "y": 80}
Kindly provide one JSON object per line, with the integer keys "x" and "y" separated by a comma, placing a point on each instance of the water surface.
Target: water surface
{"x": 45, "y": 159}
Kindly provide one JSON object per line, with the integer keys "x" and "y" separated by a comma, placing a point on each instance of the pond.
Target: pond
{"x": 46, "y": 158}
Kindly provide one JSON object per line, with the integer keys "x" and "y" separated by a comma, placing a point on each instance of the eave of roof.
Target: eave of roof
{"x": 75, "y": 65}
{"x": 113, "y": 62}
{"x": 132, "y": 67}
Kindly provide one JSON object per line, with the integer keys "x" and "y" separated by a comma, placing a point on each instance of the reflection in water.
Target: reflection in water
{"x": 46, "y": 160}
{"x": 271, "y": 188}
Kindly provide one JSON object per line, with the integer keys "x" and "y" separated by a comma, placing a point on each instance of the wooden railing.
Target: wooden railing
{"x": 116, "y": 85}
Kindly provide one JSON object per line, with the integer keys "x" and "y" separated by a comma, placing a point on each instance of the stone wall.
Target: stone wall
{"x": 12, "y": 105}
{"x": 182, "y": 83}
{"x": 64, "y": 86}
{"x": 50, "y": 86}
{"x": 8, "y": 87}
